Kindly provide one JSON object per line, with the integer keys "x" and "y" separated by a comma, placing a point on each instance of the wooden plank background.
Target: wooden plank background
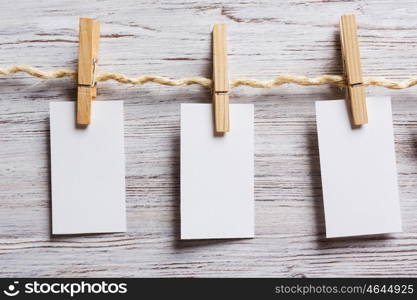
{"x": 172, "y": 38}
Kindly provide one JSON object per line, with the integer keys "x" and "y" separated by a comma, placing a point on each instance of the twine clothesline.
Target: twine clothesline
{"x": 335, "y": 80}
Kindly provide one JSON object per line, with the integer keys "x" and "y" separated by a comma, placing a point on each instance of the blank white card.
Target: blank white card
{"x": 358, "y": 170}
{"x": 87, "y": 169}
{"x": 217, "y": 198}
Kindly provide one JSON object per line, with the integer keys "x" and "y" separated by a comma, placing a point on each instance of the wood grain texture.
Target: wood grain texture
{"x": 353, "y": 70}
{"x": 220, "y": 80}
{"x": 173, "y": 38}
{"x": 87, "y": 63}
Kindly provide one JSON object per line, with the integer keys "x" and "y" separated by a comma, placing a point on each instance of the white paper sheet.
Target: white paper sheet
{"x": 217, "y": 198}
{"x": 358, "y": 170}
{"x": 87, "y": 169}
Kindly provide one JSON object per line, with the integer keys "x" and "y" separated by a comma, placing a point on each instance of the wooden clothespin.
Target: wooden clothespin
{"x": 87, "y": 67}
{"x": 353, "y": 70}
{"x": 220, "y": 80}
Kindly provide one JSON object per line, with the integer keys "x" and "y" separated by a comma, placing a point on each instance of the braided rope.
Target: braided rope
{"x": 335, "y": 80}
